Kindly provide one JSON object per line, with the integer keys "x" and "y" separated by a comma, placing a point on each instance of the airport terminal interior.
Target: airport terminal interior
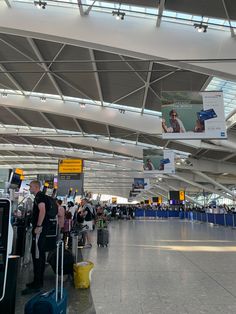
{"x": 130, "y": 107}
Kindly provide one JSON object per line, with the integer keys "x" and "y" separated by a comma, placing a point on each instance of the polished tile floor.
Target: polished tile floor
{"x": 158, "y": 267}
{"x": 165, "y": 266}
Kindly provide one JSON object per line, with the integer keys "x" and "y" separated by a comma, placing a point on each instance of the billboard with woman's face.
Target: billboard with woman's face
{"x": 193, "y": 115}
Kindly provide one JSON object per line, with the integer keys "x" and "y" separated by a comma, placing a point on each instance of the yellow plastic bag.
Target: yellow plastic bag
{"x": 82, "y": 274}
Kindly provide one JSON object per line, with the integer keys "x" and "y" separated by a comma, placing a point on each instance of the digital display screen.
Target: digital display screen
{"x": 15, "y": 179}
{"x": 155, "y": 199}
{"x": 174, "y": 195}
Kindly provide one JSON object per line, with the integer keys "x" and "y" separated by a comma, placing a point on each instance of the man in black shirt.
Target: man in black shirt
{"x": 39, "y": 231}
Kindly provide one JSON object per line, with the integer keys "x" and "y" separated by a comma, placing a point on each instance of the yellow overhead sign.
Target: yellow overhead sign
{"x": 114, "y": 200}
{"x": 181, "y": 196}
{"x": 19, "y": 171}
{"x": 70, "y": 166}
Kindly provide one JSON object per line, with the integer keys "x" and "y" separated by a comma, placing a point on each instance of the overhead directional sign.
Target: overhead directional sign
{"x": 69, "y": 166}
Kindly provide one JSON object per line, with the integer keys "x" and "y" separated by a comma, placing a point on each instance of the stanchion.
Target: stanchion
{"x": 201, "y": 219}
{"x": 233, "y": 221}
{"x": 215, "y": 224}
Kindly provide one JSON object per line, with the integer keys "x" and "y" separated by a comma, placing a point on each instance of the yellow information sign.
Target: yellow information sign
{"x": 181, "y": 196}
{"x": 114, "y": 200}
{"x": 70, "y": 166}
{"x": 19, "y": 171}
{"x": 159, "y": 200}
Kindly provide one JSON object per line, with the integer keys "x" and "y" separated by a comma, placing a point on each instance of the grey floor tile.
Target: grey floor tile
{"x": 157, "y": 267}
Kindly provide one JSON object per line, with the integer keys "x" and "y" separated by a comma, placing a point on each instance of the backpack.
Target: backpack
{"x": 90, "y": 214}
{"x": 52, "y": 208}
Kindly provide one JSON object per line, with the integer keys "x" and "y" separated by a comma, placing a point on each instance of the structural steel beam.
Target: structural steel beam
{"x": 161, "y": 8}
{"x": 202, "y": 187}
{"x": 159, "y": 42}
{"x": 215, "y": 183}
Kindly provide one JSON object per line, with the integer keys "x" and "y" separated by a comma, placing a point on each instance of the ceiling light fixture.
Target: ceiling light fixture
{"x": 201, "y": 28}
{"x": 43, "y": 99}
{"x": 118, "y": 15}
{"x": 40, "y": 4}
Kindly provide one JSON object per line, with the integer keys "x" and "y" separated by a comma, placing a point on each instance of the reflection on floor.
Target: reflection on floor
{"x": 157, "y": 267}
{"x": 165, "y": 267}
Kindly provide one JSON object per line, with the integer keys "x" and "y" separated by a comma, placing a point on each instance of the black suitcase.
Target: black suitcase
{"x": 102, "y": 237}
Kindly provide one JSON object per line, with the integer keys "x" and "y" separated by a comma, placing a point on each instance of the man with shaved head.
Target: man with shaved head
{"x": 39, "y": 231}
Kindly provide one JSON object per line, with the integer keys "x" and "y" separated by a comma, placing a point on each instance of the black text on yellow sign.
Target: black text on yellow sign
{"x": 70, "y": 166}
{"x": 181, "y": 196}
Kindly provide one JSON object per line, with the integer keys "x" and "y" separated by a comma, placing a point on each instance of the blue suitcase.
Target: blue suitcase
{"x": 53, "y": 301}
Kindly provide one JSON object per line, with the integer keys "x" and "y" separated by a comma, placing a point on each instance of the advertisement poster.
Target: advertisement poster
{"x": 193, "y": 115}
{"x": 140, "y": 184}
{"x": 158, "y": 161}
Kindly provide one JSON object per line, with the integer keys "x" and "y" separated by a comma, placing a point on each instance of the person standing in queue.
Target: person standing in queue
{"x": 39, "y": 231}
{"x": 88, "y": 221}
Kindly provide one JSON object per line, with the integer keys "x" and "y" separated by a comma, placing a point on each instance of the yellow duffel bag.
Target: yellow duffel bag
{"x": 82, "y": 274}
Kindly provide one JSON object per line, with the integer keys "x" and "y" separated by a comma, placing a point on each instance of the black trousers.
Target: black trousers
{"x": 39, "y": 257}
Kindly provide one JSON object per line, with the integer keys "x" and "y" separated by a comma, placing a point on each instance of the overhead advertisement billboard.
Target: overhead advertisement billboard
{"x": 193, "y": 115}
{"x": 158, "y": 161}
{"x": 139, "y": 184}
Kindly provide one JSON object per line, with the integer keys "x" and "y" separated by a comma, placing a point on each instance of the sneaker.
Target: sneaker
{"x": 88, "y": 246}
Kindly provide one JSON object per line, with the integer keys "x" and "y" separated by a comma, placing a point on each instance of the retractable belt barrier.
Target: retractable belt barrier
{"x": 227, "y": 220}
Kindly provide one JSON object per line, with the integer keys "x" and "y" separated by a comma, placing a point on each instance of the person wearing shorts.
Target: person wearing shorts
{"x": 88, "y": 221}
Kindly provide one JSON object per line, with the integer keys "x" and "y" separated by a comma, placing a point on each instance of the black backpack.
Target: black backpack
{"x": 52, "y": 208}
{"x": 90, "y": 214}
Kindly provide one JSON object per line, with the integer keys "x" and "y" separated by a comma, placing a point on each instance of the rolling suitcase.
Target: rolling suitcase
{"x": 53, "y": 301}
{"x": 102, "y": 237}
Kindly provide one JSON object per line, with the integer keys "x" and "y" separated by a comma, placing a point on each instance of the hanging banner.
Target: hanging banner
{"x": 158, "y": 161}
{"x": 193, "y": 115}
{"x": 140, "y": 184}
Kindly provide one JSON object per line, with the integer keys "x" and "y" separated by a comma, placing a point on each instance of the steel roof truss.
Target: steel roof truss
{"x": 147, "y": 84}
{"x": 45, "y": 67}
{"x": 91, "y": 53}
{"x": 12, "y": 79}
